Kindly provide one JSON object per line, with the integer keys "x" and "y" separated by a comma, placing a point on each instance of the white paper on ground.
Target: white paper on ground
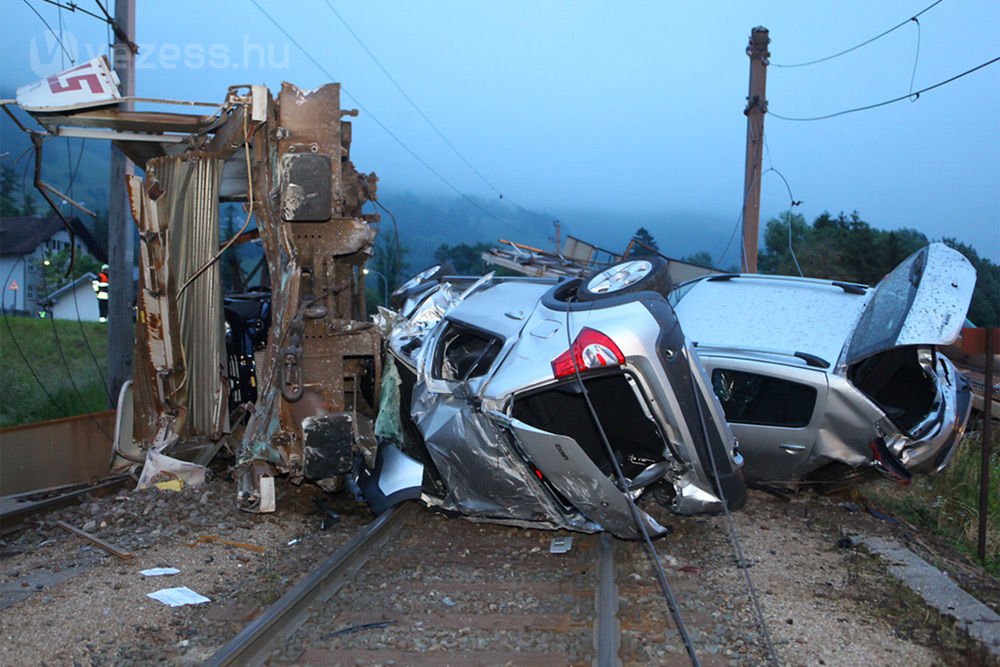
{"x": 177, "y": 597}
{"x": 159, "y": 571}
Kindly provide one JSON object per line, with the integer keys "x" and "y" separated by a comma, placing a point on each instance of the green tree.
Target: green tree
{"x": 9, "y": 191}
{"x": 985, "y": 308}
{"x": 643, "y": 244}
{"x": 464, "y": 258}
{"x": 28, "y": 205}
{"x": 56, "y": 270}
{"x": 701, "y": 258}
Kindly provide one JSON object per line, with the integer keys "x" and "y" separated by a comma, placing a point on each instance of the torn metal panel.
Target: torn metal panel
{"x": 321, "y": 361}
{"x": 181, "y": 330}
{"x": 315, "y": 380}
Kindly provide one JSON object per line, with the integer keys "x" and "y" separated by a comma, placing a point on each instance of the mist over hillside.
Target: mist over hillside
{"x": 425, "y": 220}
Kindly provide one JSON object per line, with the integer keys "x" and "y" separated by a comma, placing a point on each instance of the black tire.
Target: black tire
{"x": 637, "y": 274}
{"x": 420, "y": 282}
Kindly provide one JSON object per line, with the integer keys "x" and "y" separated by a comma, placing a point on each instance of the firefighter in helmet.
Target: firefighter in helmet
{"x": 101, "y": 287}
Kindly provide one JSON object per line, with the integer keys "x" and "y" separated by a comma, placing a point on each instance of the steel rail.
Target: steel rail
{"x": 14, "y": 509}
{"x": 257, "y": 641}
{"x": 607, "y": 629}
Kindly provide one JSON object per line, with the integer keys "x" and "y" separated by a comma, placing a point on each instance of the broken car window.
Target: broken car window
{"x": 749, "y": 398}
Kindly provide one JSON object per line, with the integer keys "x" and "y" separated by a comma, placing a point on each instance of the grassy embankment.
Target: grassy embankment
{"x": 947, "y": 504}
{"x": 74, "y": 386}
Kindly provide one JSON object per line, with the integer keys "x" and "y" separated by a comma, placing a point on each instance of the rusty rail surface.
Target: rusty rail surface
{"x": 256, "y": 642}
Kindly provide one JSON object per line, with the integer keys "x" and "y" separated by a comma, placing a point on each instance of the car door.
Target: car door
{"x": 774, "y": 409}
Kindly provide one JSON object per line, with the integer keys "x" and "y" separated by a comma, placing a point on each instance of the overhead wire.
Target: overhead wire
{"x": 17, "y": 345}
{"x": 69, "y": 374}
{"x": 409, "y": 99}
{"x": 384, "y": 127}
{"x": 741, "y": 562}
{"x": 247, "y": 135}
{"x": 54, "y": 35}
{"x": 621, "y": 482}
{"x": 864, "y": 43}
{"x": 73, "y": 7}
{"x": 739, "y": 217}
{"x": 792, "y": 205}
{"x": 915, "y": 95}
{"x": 90, "y": 350}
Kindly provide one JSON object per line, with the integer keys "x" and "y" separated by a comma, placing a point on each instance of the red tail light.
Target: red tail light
{"x": 591, "y": 349}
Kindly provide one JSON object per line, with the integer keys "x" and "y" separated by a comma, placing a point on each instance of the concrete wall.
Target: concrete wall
{"x": 56, "y": 452}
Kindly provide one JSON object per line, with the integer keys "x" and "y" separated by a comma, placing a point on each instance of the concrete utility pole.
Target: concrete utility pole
{"x": 755, "y": 110}
{"x": 121, "y": 252}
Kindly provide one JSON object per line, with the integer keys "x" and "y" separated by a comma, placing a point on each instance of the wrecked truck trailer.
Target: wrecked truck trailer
{"x": 824, "y": 381}
{"x": 505, "y": 401}
{"x": 290, "y": 388}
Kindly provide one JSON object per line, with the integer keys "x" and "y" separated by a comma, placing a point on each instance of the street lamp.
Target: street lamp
{"x": 385, "y": 284}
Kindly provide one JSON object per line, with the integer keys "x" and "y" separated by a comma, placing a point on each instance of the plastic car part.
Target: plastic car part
{"x": 635, "y": 275}
{"x": 590, "y": 349}
{"x": 419, "y": 283}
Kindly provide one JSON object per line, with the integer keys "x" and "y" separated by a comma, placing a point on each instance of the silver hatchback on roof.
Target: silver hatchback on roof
{"x": 547, "y": 403}
{"x": 822, "y": 380}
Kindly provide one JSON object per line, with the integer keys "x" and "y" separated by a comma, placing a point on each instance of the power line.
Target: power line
{"x": 382, "y": 125}
{"x": 866, "y": 42}
{"x": 914, "y": 95}
{"x": 73, "y": 7}
{"x": 54, "y": 35}
{"x": 69, "y": 374}
{"x": 17, "y": 345}
{"x": 412, "y": 103}
{"x": 385, "y": 128}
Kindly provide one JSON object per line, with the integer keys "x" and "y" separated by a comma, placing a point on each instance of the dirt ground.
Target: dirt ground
{"x": 65, "y": 601}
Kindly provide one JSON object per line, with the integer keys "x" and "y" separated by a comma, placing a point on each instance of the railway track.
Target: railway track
{"x": 416, "y": 588}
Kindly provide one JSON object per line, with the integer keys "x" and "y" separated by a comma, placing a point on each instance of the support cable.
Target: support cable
{"x": 409, "y": 99}
{"x": 864, "y": 43}
{"x": 382, "y": 125}
{"x": 86, "y": 342}
{"x": 17, "y": 345}
{"x": 661, "y": 575}
{"x": 914, "y": 95}
{"x": 741, "y": 562}
{"x": 54, "y": 35}
{"x": 792, "y": 205}
{"x": 69, "y": 374}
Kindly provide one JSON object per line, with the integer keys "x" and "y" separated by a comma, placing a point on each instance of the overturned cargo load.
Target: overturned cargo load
{"x": 284, "y": 375}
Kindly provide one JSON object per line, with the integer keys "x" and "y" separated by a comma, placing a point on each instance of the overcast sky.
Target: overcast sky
{"x": 629, "y": 106}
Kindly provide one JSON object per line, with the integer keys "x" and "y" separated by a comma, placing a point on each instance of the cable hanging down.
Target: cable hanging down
{"x": 864, "y": 43}
{"x": 914, "y": 95}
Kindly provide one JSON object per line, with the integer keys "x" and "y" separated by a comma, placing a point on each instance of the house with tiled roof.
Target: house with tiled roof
{"x": 25, "y": 242}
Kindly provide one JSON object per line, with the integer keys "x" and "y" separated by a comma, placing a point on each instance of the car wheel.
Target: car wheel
{"x": 642, "y": 274}
{"x": 418, "y": 283}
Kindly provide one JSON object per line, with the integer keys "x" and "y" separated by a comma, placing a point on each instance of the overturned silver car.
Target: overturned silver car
{"x": 552, "y": 404}
{"x": 823, "y": 381}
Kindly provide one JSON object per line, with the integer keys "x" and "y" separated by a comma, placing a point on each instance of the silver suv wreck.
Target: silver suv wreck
{"x": 505, "y": 396}
{"x": 823, "y": 381}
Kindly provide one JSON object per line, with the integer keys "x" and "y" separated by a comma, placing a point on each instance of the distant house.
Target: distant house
{"x": 74, "y": 301}
{"x": 24, "y": 242}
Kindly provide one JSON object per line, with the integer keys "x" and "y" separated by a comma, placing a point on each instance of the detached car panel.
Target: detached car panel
{"x": 514, "y": 389}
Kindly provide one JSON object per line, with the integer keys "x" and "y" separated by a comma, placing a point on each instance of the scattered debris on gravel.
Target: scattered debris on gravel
{"x": 827, "y": 601}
